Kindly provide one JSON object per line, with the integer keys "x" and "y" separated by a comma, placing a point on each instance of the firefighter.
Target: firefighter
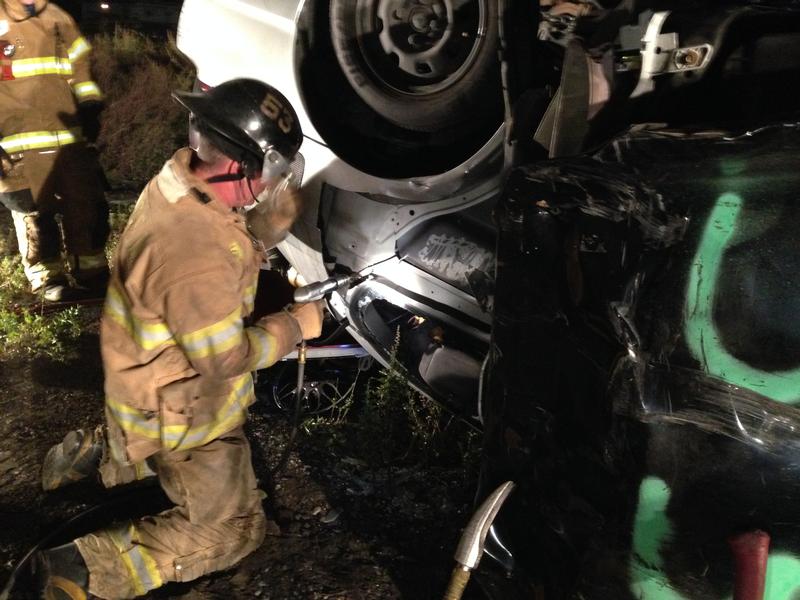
{"x": 48, "y": 173}
{"x": 178, "y": 353}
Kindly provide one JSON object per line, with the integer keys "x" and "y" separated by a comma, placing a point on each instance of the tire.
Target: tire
{"x": 423, "y": 65}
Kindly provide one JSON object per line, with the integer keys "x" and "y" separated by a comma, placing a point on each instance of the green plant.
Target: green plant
{"x": 24, "y": 333}
{"x": 13, "y": 283}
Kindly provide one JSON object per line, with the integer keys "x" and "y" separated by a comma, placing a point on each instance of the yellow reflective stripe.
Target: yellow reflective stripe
{"x": 266, "y": 346}
{"x": 40, "y": 65}
{"x": 142, "y": 569}
{"x": 86, "y": 89}
{"x": 20, "y": 142}
{"x": 230, "y": 415}
{"x": 78, "y": 48}
{"x": 92, "y": 261}
{"x": 183, "y": 437}
{"x": 214, "y": 339}
{"x": 143, "y": 470}
{"x": 147, "y": 336}
{"x": 250, "y": 297}
{"x": 131, "y": 420}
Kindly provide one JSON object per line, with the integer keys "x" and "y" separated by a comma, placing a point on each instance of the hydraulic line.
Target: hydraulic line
{"x": 298, "y": 402}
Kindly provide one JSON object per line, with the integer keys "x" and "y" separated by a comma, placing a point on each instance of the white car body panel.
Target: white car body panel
{"x": 257, "y": 39}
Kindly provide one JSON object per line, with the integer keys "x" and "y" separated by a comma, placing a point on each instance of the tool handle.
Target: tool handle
{"x": 458, "y": 583}
{"x": 750, "y": 552}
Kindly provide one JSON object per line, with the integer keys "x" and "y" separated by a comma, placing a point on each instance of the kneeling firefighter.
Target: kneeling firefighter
{"x": 178, "y": 353}
{"x": 49, "y": 176}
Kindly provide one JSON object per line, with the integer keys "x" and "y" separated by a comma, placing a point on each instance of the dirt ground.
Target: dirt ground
{"x": 342, "y": 530}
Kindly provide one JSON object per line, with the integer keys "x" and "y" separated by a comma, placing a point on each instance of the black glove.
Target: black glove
{"x": 89, "y": 115}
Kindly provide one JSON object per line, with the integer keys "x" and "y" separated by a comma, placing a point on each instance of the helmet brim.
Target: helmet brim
{"x": 201, "y": 106}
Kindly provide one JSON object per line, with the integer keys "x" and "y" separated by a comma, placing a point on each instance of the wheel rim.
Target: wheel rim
{"x": 422, "y": 46}
{"x": 316, "y": 396}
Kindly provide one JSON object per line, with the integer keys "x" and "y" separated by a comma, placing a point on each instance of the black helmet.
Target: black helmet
{"x": 248, "y": 121}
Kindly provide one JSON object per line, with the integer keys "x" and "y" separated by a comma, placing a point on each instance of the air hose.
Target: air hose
{"x": 131, "y": 496}
{"x": 298, "y": 402}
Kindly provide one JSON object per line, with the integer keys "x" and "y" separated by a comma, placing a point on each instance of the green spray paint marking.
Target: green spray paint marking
{"x": 702, "y": 336}
{"x": 652, "y": 527}
{"x": 783, "y": 577}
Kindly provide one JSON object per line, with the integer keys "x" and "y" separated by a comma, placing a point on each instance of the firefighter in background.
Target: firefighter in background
{"x": 178, "y": 352}
{"x": 49, "y": 109}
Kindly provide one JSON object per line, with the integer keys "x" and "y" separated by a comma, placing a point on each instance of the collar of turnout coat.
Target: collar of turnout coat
{"x": 16, "y": 9}
{"x": 177, "y": 183}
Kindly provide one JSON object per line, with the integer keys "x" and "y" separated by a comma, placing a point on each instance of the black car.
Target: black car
{"x": 600, "y": 271}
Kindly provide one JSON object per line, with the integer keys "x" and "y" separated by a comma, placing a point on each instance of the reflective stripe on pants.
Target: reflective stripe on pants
{"x": 217, "y": 521}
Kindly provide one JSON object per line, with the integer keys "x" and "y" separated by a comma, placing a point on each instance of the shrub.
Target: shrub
{"x": 397, "y": 424}
{"x": 24, "y": 333}
{"x": 141, "y": 125}
{"x": 13, "y": 284}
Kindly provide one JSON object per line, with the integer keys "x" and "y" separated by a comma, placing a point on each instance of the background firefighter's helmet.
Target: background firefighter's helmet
{"x": 247, "y": 120}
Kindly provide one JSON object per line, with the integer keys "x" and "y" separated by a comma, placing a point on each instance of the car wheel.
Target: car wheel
{"x": 424, "y": 65}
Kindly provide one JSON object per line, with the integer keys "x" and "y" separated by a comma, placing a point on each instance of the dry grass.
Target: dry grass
{"x": 141, "y": 125}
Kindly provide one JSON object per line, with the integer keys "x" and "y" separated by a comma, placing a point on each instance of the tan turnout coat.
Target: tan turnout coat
{"x": 177, "y": 352}
{"x": 44, "y": 74}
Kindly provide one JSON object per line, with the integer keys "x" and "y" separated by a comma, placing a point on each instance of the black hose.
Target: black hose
{"x": 53, "y": 535}
{"x": 41, "y": 544}
{"x": 324, "y": 342}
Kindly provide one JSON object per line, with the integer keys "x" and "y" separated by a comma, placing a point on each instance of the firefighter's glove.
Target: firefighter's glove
{"x": 89, "y": 114}
{"x": 272, "y": 216}
{"x": 309, "y": 318}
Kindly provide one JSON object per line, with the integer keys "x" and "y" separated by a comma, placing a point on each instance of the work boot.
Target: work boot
{"x": 75, "y": 458}
{"x": 57, "y": 289}
{"x": 60, "y": 573}
{"x": 93, "y": 286}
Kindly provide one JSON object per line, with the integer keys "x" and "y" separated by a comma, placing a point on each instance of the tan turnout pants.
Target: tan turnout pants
{"x": 217, "y": 520}
{"x": 60, "y": 181}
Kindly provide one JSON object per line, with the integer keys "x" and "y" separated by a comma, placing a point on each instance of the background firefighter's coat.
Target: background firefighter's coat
{"x": 46, "y": 167}
{"x": 45, "y": 74}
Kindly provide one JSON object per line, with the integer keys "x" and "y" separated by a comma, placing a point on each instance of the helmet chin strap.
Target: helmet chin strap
{"x": 237, "y": 176}
{"x": 226, "y": 177}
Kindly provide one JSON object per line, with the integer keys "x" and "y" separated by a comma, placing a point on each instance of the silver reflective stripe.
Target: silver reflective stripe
{"x": 209, "y": 344}
{"x": 141, "y": 567}
{"x": 87, "y": 88}
{"x": 266, "y": 345}
{"x": 79, "y": 47}
{"x": 39, "y": 139}
{"x": 226, "y": 419}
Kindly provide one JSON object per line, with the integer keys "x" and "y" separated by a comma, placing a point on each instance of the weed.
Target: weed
{"x": 13, "y": 283}
{"x": 24, "y": 333}
{"x": 118, "y": 216}
{"x": 397, "y": 424}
